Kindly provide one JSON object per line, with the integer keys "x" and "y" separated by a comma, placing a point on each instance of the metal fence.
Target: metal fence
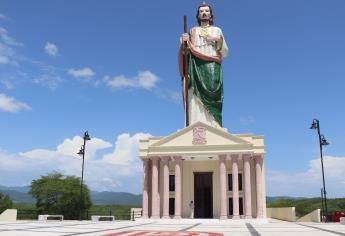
{"x": 27, "y": 214}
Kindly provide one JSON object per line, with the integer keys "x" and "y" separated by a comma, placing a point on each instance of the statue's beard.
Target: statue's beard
{"x": 205, "y": 19}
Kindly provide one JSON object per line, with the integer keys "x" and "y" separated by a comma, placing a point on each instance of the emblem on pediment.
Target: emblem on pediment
{"x": 199, "y": 135}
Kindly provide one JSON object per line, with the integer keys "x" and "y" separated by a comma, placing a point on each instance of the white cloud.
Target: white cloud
{"x": 309, "y": 182}
{"x": 7, "y": 45}
{"x": 144, "y": 79}
{"x": 40, "y": 72}
{"x": 126, "y": 147}
{"x": 7, "y": 55}
{"x": 117, "y": 170}
{"x": 8, "y": 39}
{"x": 48, "y": 75}
{"x": 175, "y": 96}
{"x": 50, "y": 80}
{"x": 81, "y": 73}
{"x": 3, "y": 16}
{"x": 9, "y": 104}
{"x": 7, "y": 84}
{"x": 4, "y": 60}
{"x": 170, "y": 95}
{"x": 69, "y": 146}
{"x": 51, "y": 49}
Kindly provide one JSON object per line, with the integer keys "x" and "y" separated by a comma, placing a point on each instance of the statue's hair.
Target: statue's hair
{"x": 197, "y": 13}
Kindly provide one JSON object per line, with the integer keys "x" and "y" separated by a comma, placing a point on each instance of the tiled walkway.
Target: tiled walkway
{"x": 169, "y": 227}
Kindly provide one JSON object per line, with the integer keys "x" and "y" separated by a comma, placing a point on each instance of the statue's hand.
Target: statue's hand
{"x": 185, "y": 37}
{"x": 210, "y": 38}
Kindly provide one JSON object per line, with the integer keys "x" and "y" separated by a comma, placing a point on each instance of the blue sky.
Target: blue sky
{"x": 111, "y": 68}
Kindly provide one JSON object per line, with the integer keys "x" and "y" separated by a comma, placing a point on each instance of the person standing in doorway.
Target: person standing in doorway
{"x": 191, "y": 207}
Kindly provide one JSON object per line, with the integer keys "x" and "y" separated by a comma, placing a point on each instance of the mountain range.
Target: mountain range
{"x": 20, "y": 195}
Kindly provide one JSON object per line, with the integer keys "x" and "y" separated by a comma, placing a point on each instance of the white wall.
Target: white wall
{"x": 282, "y": 213}
{"x": 313, "y": 216}
{"x": 9, "y": 215}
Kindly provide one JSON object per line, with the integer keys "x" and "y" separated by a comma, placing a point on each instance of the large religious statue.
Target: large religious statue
{"x": 202, "y": 50}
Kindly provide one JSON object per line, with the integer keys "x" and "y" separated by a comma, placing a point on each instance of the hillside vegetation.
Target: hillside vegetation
{"x": 307, "y": 205}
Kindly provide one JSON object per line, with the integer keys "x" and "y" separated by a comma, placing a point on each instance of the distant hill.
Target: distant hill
{"x": 23, "y": 189}
{"x": 118, "y": 198}
{"x": 278, "y": 198}
{"x": 20, "y": 195}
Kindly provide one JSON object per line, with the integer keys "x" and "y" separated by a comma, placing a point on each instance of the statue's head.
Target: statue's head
{"x": 204, "y": 13}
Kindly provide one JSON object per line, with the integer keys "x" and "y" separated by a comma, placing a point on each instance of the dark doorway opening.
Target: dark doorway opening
{"x": 203, "y": 200}
{"x": 240, "y": 206}
{"x": 171, "y": 206}
{"x": 231, "y": 209}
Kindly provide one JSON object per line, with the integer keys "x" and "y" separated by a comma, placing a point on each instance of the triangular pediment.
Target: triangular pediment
{"x": 200, "y": 134}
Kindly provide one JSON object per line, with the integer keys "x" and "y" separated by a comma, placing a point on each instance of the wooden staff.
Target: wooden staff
{"x": 185, "y": 74}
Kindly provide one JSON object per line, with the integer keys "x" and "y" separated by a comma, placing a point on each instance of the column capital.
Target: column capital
{"x": 155, "y": 158}
{"x": 165, "y": 159}
{"x": 177, "y": 158}
{"x": 246, "y": 157}
{"x": 258, "y": 158}
{"x": 234, "y": 157}
{"x": 222, "y": 157}
{"x": 146, "y": 160}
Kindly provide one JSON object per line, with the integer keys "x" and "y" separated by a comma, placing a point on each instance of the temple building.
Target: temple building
{"x": 222, "y": 173}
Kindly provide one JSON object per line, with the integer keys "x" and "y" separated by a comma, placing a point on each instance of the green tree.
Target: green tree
{"x": 5, "y": 202}
{"x": 59, "y": 194}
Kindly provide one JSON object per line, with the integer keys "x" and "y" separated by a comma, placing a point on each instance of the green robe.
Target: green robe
{"x": 206, "y": 80}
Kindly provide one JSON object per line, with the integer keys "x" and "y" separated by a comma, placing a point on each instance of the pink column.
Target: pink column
{"x": 259, "y": 192}
{"x": 178, "y": 187}
{"x": 155, "y": 213}
{"x": 145, "y": 190}
{"x": 165, "y": 161}
{"x": 247, "y": 187}
{"x": 222, "y": 171}
{"x": 235, "y": 194}
{"x": 149, "y": 178}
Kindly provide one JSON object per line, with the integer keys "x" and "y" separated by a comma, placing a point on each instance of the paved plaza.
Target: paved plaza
{"x": 169, "y": 227}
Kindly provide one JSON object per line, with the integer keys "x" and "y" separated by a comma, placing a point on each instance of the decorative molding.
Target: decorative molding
{"x": 199, "y": 135}
{"x": 217, "y": 131}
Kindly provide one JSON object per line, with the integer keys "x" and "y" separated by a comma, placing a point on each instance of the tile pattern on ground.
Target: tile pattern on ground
{"x": 162, "y": 233}
{"x": 177, "y": 227}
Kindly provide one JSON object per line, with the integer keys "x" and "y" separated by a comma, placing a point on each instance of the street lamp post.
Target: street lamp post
{"x": 322, "y": 142}
{"x": 322, "y": 204}
{"x": 82, "y": 153}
